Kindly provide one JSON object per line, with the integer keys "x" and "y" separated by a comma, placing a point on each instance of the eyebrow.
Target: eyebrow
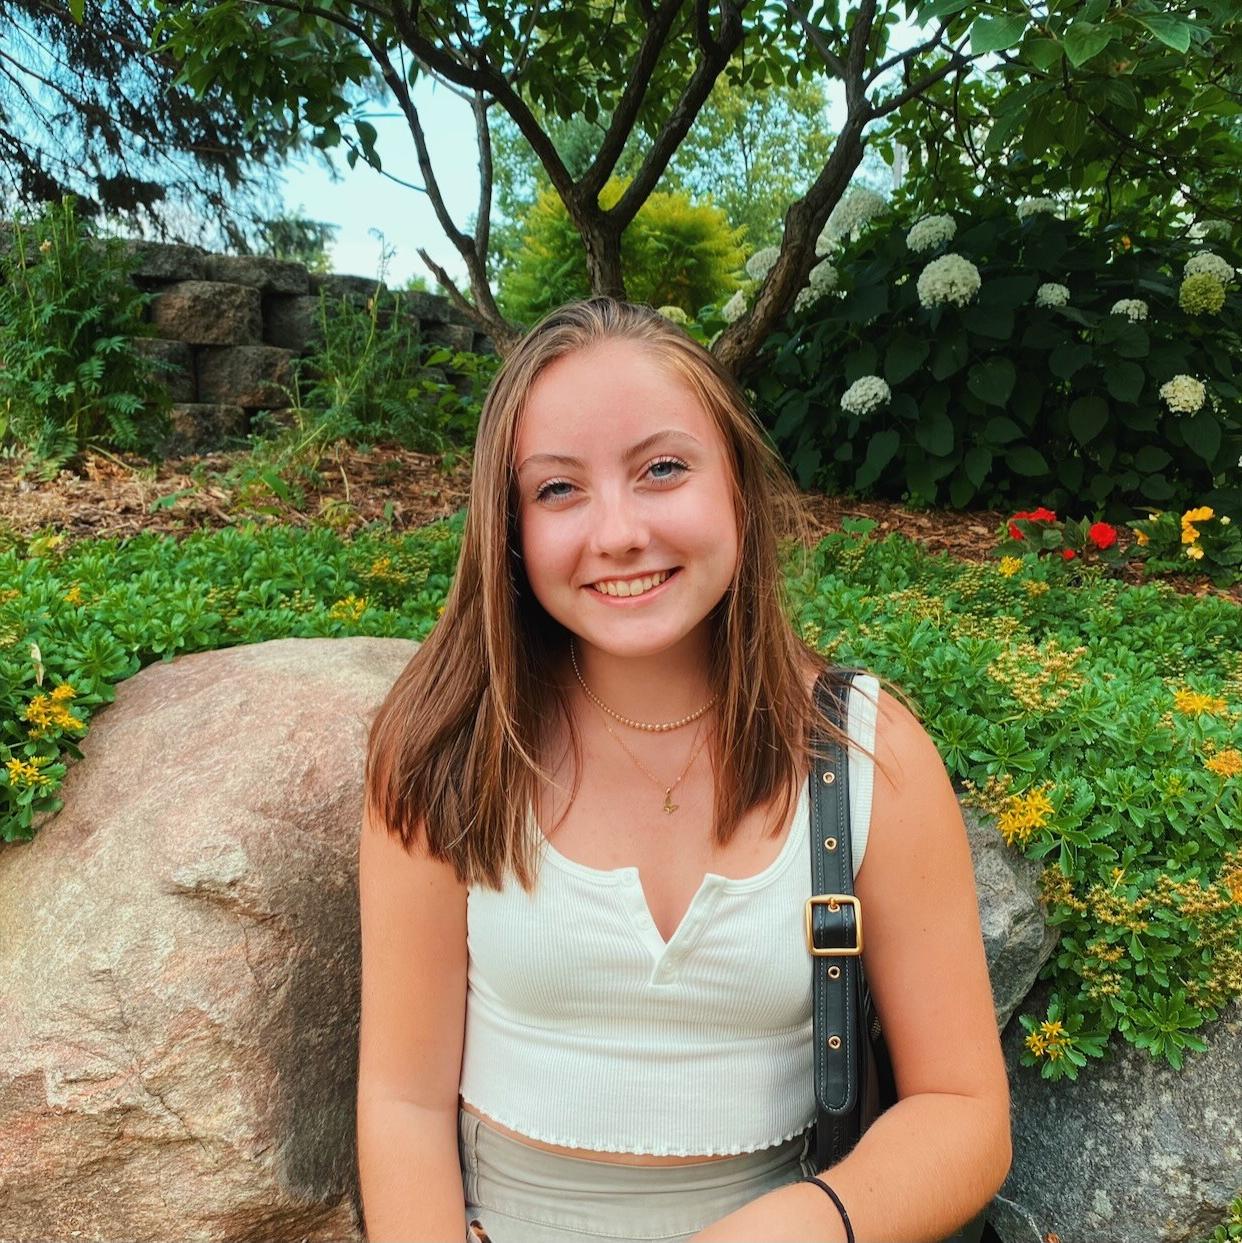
{"x": 561, "y": 459}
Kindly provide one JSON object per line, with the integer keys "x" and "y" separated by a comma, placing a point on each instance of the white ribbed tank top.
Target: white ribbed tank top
{"x": 585, "y": 1029}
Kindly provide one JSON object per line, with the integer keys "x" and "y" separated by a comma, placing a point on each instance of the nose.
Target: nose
{"x": 618, "y": 525}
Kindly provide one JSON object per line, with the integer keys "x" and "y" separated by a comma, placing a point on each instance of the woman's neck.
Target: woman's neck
{"x": 660, "y": 688}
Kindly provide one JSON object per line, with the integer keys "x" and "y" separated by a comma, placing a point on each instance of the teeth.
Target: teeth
{"x": 635, "y": 588}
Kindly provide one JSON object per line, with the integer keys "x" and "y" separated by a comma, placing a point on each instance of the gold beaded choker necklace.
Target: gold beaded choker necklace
{"x": 659, "y": 728}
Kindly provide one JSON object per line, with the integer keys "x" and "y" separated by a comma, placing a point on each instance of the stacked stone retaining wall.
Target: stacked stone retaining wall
{"x": 228, "y": 328}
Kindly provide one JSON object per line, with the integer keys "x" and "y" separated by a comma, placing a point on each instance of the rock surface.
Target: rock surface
{"x": 1132, "y": 1151}
{"x": 208, "y": 313}
{"x": 180, "y": 969}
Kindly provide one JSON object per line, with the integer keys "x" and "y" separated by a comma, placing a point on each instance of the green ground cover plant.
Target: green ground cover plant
{"x": 1100, "y": 724}
{"x": 71, "y": 373}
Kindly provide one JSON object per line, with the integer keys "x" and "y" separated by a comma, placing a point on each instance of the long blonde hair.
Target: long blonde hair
{"x": 456, "y": 745}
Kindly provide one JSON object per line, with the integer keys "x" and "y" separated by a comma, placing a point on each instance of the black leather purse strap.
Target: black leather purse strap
{"x": 834, "y": 935}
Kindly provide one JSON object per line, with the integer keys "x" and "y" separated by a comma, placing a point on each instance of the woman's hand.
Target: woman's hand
{"x": 790, "y": 1214}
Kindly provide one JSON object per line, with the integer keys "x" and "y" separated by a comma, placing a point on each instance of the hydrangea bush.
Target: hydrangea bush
{"x": 1026, "y": 362}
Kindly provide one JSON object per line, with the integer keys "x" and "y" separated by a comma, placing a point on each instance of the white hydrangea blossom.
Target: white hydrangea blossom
{"x": 1184, "y": 394}
{"x": 1212, "y": 264}
{"x": 855, "y": 208}
{"x": 1033, "y": 207}
{"x": 1209, "y": 228}
{"x": 823, "y": 280}
{"x": 760, "y": 263}
{"x": 1051, "y": 294}
{"x": 1134, "y": 309}
{"x": 930, "y": 232}
{"x": 735, "y": 308}
{"x": 948, "y": 279}
{"x": 675, "y": 314}
{"x": 866, "y": 394}
{"x": 825, "y": 243}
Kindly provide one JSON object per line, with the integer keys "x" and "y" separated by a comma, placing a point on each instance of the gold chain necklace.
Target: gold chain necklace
{"x": 669, "y": 806}
{"x": 660, "y": 728}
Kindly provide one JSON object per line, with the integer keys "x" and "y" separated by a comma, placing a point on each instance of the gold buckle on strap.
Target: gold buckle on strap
{"x": 832, "y": 901}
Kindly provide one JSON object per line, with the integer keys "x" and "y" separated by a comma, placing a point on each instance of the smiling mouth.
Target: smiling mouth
{"x": 622, "y": 589}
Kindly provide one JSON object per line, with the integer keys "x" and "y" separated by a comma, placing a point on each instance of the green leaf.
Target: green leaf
{"x": 940, "y": 8}
{"x": 951, "y": 354}
{"x": 1170, "y": 30}
{"x": 986, "y": 321}
{"x": 75, "y": 10}
{"x": 1000, "y": 430}
{"x": 1124, "y": 381}
{"x": 977, "y": 463}
{"x": 935, "y": 434}
{"x": 905, "y": 355}
{"x": 1202, "y": 433}
{"x": 995, "y": 34}
{"x": 1044, "y": 54}
{"x": 992, "y": 380}
{"x": 1151, "y": 458}
{"x": 1068, "y": 358}
{"x": 1083, "y": 41}
{"x": 1025, "y": 460}
{"x": 1133, "y": 341}
{"x": 1087, "y": 418}
{"x": 880, "y": 452}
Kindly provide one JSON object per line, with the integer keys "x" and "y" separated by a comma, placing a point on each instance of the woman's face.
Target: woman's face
{"x": 621, "y": 477}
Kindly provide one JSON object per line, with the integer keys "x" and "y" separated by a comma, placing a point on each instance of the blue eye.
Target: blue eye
{"x": 680, "y": 466}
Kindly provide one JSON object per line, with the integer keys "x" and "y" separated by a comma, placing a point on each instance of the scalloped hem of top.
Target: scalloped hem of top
{"x": 639, "y": 1152}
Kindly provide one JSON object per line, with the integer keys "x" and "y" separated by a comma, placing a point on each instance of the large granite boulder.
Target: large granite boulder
{"x": 179, "y": 959}
{"x": 179, "y": 966}
{"x": 1132, "y": 1151}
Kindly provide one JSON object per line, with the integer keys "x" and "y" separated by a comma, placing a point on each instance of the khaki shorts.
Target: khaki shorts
{"x": 522, "y": 1194}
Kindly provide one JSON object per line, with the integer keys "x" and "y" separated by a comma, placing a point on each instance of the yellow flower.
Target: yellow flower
{"x": 1009, "y": 566}
{"x": 1202, "y": 514}
{"x": 1140, "y": 537}
{"x": 45, "y": 246}
{"x": 1192, "y": 703}
{"x": 1194, "y": 552}
{"x": 1189, "y": 534}
{"x": 1227, "y": 763}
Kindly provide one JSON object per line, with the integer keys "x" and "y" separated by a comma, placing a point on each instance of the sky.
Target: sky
{"x": 364, "y": 201}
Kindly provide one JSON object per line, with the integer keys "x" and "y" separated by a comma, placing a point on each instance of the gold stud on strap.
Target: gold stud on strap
{"x": 829, "y": 777}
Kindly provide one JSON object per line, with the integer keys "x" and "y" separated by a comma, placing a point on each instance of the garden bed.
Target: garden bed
{"x": 113, "y": 496}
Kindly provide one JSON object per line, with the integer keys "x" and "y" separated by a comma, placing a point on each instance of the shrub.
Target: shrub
{"x": 675, "y": 253}
{"x": 369, "y": 373}
{"x": 70, "y": 374}
{"x": 1032, "y": 363}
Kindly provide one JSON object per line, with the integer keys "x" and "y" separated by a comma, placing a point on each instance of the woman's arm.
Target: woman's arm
{"x": 930, "y": 1163}
{"x": 413, "y": 914}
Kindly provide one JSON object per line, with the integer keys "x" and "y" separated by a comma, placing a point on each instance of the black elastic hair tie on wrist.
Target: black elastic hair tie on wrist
{"x": 836, "y": 1199}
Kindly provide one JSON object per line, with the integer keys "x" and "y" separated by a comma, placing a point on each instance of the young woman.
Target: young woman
{"x": 586, "y": 993}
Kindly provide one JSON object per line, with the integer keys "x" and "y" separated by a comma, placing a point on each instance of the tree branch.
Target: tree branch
{"x": 816, "y": 36}
{"x": 682, "y": 116}
{"x": 626, "y": 111}
{"x": 503, "y": 334}
{"x": 908, "y": 55}
{"x": 958, "y": 61}
{"x": 483, "y": 217}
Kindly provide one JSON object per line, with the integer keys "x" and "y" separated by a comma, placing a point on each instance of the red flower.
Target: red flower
{"x": 1035, "y": 515}
{"x": 1068, "y": 554}
{"x": 1102, "y": 535}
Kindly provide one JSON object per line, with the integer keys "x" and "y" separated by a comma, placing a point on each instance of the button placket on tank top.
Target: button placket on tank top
{"x": 667, "y": 957}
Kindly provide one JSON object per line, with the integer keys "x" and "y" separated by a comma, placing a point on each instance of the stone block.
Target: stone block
{"x": 356, "y": 288}
{"x": 163, "y": 263}
{"x": 199, "y": 426}
{"x": 456, "y": 337}
{"x": 176, "y": 365}
{"x": 208, "y": 313}
{"x": 429, "y": 308}
{"x": 251, "y": 376}
{"x": 291, "y": 321}
{"x": 263, "y": 274}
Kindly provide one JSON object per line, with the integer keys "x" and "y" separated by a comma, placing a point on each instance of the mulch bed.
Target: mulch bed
{"x": 113, "y": 496}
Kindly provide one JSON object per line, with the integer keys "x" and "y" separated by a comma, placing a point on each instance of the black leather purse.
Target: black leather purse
{"x": 854, "y": 1080}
